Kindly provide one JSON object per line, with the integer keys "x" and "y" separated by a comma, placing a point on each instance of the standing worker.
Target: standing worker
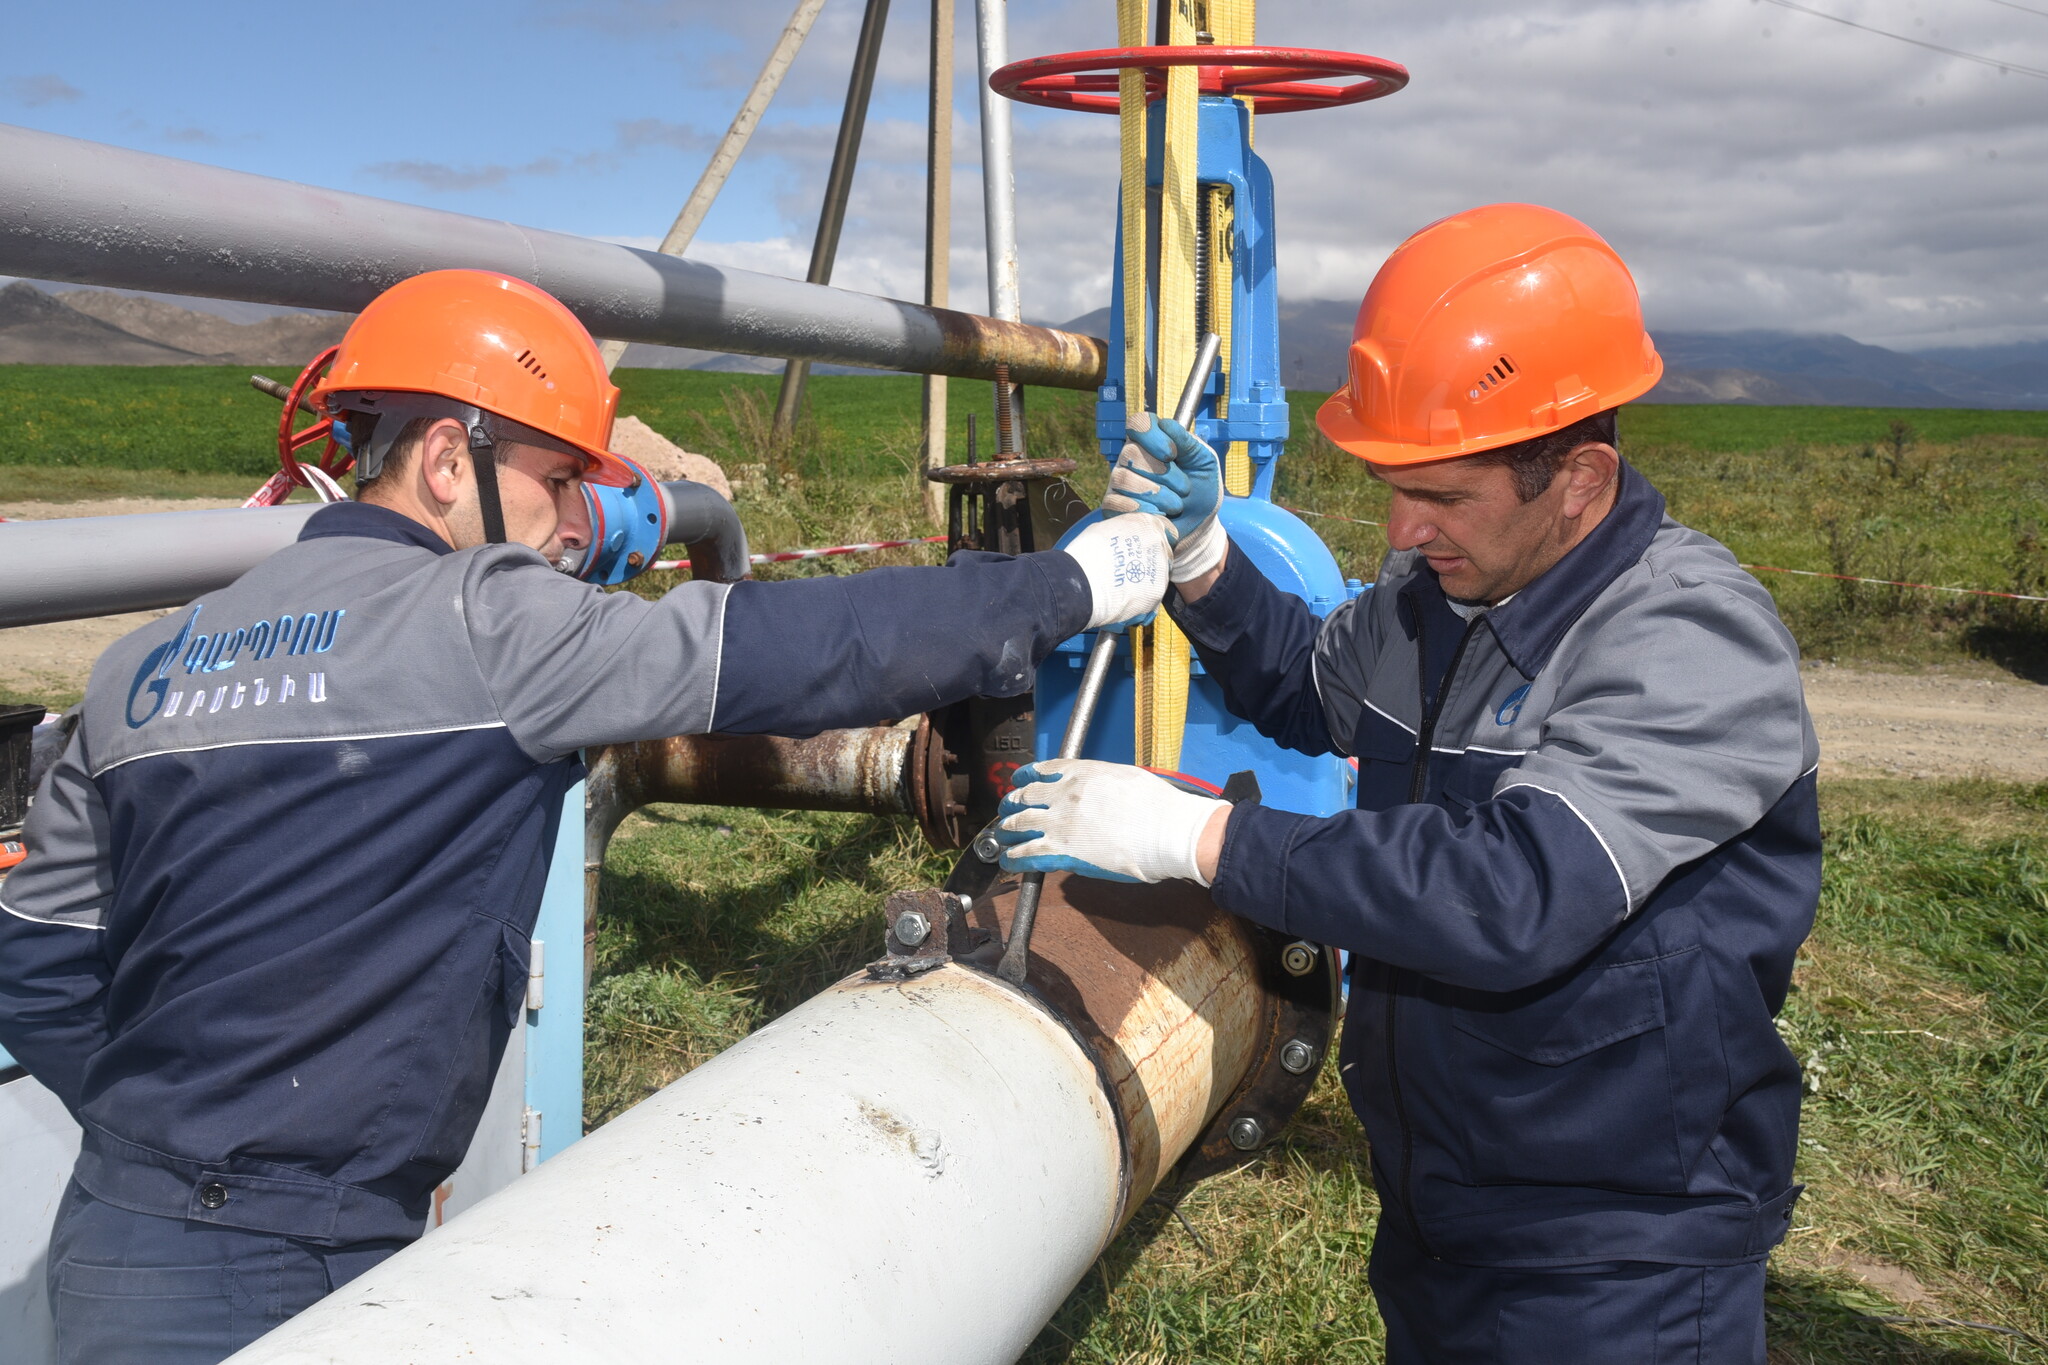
{"x": 272, "y": 932}
{"x": 1587, "y": 844}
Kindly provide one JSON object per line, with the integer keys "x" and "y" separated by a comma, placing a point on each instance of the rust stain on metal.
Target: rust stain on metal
{"x": 971, "y": 346}
{"x": 1001, "y": 471}
{"x": 1163, "y": 985}
{"x": 852, "y": 770}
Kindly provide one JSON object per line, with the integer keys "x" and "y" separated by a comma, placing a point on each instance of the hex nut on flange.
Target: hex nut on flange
{"x": 912, "y": 928}
{"x": 1297, "y": 1056}
{"x": 1247, "y": 1133}
{"x": 1299, "y": 957}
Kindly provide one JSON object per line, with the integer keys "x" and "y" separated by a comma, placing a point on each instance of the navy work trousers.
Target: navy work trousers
{"x": 1623, "y": 1313}
{"x": 136, "y": 1289}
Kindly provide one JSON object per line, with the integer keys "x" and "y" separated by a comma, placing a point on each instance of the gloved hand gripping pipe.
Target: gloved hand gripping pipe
{"x": 1017, "y": 951}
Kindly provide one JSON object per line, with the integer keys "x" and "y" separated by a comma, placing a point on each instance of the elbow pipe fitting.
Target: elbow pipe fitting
{"x": 709, "y": 527}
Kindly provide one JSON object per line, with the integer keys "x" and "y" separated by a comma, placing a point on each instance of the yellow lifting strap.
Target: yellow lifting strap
{"x": 1161, "y": 658}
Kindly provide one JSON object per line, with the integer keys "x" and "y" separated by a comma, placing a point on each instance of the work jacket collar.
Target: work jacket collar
{"x": 1530, "y": 624}
{"x": 371, "y": 522}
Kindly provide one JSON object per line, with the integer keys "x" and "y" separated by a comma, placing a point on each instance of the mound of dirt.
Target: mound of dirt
{"x": 663, "y": 458}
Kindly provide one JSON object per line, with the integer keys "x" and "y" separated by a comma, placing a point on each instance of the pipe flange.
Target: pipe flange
{"x": 938, "y": 788}
{"x": 1301, "y": 1021}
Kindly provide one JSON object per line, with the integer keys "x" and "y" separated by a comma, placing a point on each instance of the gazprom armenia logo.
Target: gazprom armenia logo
{"x": 292, "y": 634}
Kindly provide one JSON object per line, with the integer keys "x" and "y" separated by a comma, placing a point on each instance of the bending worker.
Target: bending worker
{"x": 1586, "y": 847}
{"x": 272, "y": 932}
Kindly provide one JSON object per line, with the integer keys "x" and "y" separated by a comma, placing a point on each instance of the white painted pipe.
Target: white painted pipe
{"x": 96, "y": 566}
{"x": 891, "y": 1173}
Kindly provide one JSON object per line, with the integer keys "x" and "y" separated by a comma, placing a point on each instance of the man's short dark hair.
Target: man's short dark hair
{"x": 1534, "y": 463}
{"x": 400, "y": 457}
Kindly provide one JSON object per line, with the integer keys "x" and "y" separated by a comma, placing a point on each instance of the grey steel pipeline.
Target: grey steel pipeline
{"x": 97, "y": 566}
{"x": 88, "y": 213}
{"x": 1017, "y": 950}
{"x": 74, "y": 567}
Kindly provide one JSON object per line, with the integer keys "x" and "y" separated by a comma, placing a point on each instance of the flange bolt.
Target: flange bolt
{"x": 1299, "y": 957}
{"x": 1297, "y": 1056}
{"x": 912, "y": 928}
{"x": 985, "y": 846}
{"x": 1247, "y": 1133}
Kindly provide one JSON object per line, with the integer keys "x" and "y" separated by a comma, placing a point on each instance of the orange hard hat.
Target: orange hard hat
{"x": 487, "y": 341}
{"x": 1486, "y": 328}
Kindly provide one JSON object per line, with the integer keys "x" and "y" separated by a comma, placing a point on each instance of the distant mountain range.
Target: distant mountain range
{"x": 68, "y": 325}
{"x": 111, "y": 327}
{"x": 1758, "y": 367}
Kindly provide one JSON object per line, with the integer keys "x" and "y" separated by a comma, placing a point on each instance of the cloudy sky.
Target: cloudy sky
{"x": 1759, "y": 165}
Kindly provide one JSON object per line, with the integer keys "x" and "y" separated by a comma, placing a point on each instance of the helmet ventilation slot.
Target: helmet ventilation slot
{"x": 531, "y": 362}
{"x": 1493, "y": 380}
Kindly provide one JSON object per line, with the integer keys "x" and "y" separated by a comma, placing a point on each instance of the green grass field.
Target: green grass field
{"x": 1920, "y": 1006}
{"x": 1948, "y": 497}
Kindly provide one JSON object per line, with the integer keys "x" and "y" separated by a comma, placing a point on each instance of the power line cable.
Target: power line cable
{"x": 2023, "y": 9}
{"x": 2035, "y": 72}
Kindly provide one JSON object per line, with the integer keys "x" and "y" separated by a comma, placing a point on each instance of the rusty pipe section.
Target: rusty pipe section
{"x": 853, "y": 770}
{"x": 883, "y": 770}
{"x": 1162, "y": 987}
{"x": 89, "y": 213}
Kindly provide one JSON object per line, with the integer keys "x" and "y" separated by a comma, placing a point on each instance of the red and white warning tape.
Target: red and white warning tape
{"x": 785, "y": 556}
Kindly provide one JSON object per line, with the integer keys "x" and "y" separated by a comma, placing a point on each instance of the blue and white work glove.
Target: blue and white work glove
{"x": 1167, "y": 469}
{"x": 1107, "y": 820}
{"x": 1125, "y": 561}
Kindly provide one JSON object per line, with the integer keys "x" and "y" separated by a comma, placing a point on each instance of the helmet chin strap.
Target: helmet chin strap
{"x": 483, "y": 455}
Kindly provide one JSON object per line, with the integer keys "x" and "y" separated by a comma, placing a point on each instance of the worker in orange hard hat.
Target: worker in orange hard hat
{"x": 272, "y": 932}
{"x": 1586, "y": 846}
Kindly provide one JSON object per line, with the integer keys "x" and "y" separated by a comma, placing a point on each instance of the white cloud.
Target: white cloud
{"x": 1757, "y": 167}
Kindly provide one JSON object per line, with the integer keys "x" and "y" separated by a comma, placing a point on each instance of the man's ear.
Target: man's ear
{"x": 1589, "y": 471}
{"x": 443, "y": 462}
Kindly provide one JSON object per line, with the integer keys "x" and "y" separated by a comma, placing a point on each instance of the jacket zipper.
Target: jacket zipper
{"x": 1416, "y": 787}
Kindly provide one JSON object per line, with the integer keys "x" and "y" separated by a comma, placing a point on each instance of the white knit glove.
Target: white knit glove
{"x": 1106, "y": 820}
{"x": 1124, "y": 560}
{"x": 1168, "y": 470}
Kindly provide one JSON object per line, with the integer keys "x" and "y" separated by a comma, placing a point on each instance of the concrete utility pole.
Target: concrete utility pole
{"x": 838, "y": 184}
{"x": 732, "y": 144}
{"x": 938, "y": 236}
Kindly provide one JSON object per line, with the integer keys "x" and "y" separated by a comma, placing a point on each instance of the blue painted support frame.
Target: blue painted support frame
{"x": 1258, "y": 412}
{"x": 554, "y": 1032}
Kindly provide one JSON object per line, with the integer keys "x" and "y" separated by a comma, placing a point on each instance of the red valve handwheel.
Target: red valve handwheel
{"x": 1280, "y": 79}
{"x": 333, "y": 460}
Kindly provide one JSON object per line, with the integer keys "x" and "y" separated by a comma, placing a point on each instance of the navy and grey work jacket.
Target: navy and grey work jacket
{"x": 1585, "y": 853}
{"x": 271, "y": 936}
